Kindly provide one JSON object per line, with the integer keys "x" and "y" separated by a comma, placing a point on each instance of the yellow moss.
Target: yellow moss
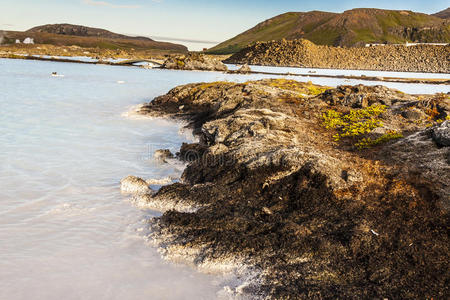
{"x": 358, "y": 123}
{"x": 180, "y": 63}
{"x": 206, "y": 85}
{"x": 368, "y": 142}
{"x": 355, "y": 123}
{"x": 315, "y": 90}
{"x": 300, "y": 87}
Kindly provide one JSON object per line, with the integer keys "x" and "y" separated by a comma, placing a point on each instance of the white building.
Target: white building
{"x": 28, "y": 41}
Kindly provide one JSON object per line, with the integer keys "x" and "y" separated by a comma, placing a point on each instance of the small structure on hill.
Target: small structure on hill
{"x": 28, "y": 40}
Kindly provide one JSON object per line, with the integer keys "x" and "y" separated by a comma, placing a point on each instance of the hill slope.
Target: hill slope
{"x": 78, "y": 30}
{"x": 445, "y": 14}
{"x": 87, "y": 37}
{"x": 354, "y": 27}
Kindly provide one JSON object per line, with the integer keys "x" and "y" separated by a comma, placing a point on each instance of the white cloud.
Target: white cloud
{"x": 108, "y": 4}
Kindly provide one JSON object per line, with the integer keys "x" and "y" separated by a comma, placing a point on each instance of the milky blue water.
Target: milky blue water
{"x": 66, "y": 232}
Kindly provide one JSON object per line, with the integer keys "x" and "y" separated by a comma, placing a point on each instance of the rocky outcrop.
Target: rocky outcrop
{"x": 303, "y": 53}
{"x": 194, "y": 61}
{"x": 162, "y": 155}
{"x": 134, "y": 185}
{"x": 314, "y": 189}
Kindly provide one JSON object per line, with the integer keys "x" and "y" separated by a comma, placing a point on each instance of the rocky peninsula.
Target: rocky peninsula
{"x": 194, "y": 61}
{"x": 303, "y": 53}
{"x": 307, "y": 191}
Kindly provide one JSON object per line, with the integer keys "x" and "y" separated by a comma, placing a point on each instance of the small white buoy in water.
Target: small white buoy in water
{"x": 120, "y": 82}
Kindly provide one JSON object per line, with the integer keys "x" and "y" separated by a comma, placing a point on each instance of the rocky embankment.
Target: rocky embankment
{"x": 194, "y": 61}
{"x": 319, "y": 192}
{"x": 303, "y": 53}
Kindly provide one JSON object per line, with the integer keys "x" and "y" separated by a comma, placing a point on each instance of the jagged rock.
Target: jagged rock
{"x": 362, "y": 96}
{"x": 194, "y": 61}
{"x": 441, "y": 134}
{"x": 191, "y": 152}
{"x": 134, "y": 185}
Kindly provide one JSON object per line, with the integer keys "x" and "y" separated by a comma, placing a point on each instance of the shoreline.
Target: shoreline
{"x": 437, "y": 81}
{"x": 272, "y": 187}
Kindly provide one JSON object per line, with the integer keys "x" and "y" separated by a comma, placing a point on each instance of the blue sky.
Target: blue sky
{"x": 202, "y": 20}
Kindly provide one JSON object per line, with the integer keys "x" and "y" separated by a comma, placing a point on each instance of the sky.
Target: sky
{"x": 194, "y": 23}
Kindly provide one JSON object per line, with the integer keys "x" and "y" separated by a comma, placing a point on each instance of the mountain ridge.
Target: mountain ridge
{"x": 81, "y": 30}
{"x": 444, "y": 14}
{"x": 355, "y": 27}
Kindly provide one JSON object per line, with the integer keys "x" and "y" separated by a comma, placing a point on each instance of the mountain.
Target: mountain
{"x": 78, "y": 30}
{"x": 445, "y": 14}
{"x": 354, "y": 27}
{"x": 68, "y": 35}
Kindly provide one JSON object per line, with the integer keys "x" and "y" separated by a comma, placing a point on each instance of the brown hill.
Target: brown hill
{"x": 445, "y": 14}
{"x": 354, "y": 27}
{"x": 78, "y": 30}
{"x": 87, "y": 37}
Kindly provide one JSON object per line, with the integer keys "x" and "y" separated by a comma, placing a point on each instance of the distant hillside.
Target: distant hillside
{"x": 445, "y": 14}
{"x": 354, "y": 27}
{"x": 78, "y": 30}
{"x": 68, "y": 35}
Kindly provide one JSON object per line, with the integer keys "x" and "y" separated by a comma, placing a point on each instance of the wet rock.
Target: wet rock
{"x": 441, "y": 134}
{"x": 163, "y": 154}
{"x": 134, "y": 185}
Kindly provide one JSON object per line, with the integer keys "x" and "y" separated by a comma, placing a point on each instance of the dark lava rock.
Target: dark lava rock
{"x": 191, "y": 152}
